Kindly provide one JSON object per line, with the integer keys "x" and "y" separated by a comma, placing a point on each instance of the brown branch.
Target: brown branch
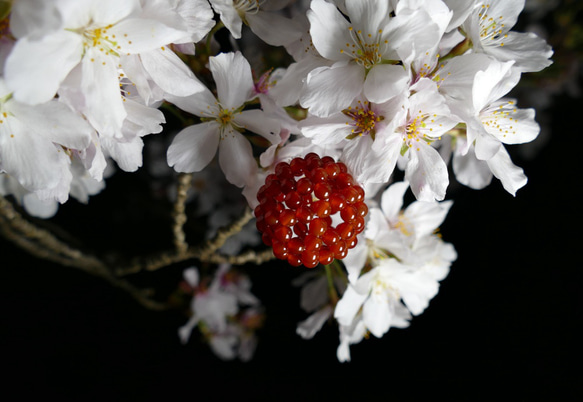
{"x": 42, "y": 244}
{"x": 179, "y": 215}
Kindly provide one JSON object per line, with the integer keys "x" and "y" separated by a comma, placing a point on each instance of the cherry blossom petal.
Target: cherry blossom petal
{"x": 416, "y": 290}
{"x": 348, "y": 305}
{"x": 229, "y": 16}
{"x": 35, "y": 68}
{"x": 369, "y": 16}
{"x": 427, "y": 173}
{"x": 385, "y": 81}
{"x": 262, "y": 24}
{"x": 142, "y": 120}
{"x": 331, "y": 89}
{"x": 202, "y": 104}
{"x": 308, "y": 328}
{"x": 470, "y": 171}
{"x": 56, "y": 122}
{"x": 232, "y": 75}
{"x": 138, "y": 35}
{"x": 329, "y": 30}
{"x": 377, "y": 315}
{"x": 427, "y": 216}
{"x": 328, "y": 130}
{"x": 100, "y": 84}
{"x": 258, "y": 122}
{"x": 170, "y": 73}
{"x": 529, "y": 52}
{"x": 511, "y": 176}
{"x": 194, "y": 147}
{"x": 127, "y": 155}
{"x": 392, "y": 200}
{"x": 236, "y": 158}
{"x": 508, "y": 124}
{"x": 31, "y": 159}
{"x": 355, "y": 260}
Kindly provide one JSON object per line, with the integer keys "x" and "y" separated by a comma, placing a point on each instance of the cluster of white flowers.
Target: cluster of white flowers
{"x": 385, "y": 83}
{"x": 376, "y": 84}
{"x": 393, "y": 272}
{"x": 224, "y": 310}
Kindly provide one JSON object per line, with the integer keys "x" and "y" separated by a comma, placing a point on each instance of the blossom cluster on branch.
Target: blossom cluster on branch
{"x": 387, "y": 87}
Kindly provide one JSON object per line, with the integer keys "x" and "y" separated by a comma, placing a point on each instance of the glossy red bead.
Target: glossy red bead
{"x": 318, "y": 227}
{"x": 326, "y": 256}
{"x": 310, "y": 258}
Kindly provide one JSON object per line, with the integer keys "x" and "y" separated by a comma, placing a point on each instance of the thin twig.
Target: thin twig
{"x": 179, "y": 215}
{"x": 42, "y": 244}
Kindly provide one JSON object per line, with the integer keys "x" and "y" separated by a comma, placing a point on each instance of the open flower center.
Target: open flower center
{"x": 247, "y": 6}
{"x": 101, "y": 39}
{"x": 364, "y": 119}
{"x": 490, "y": 28}
{"x": 225, "y": 117}
{"x": 414, "y": 131}
{"x": 364, "y": 49}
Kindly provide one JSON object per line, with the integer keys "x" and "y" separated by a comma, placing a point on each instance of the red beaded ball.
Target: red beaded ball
{"x": 295, "y": 210}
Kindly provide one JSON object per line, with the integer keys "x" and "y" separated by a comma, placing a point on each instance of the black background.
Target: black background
{"x": 504, "y": 324}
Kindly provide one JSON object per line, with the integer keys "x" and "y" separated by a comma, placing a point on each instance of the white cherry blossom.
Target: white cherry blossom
{"x": 489, "y": 29}
{"x": 195, "y": 146}
{"x": 363, "y": 52}
{"x": 261, "y": 16}
{"x": 36, "y": 141}
{"x": 91, "y": 35}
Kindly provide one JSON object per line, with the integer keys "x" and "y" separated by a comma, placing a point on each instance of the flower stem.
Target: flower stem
{"x": 331, "y": 288}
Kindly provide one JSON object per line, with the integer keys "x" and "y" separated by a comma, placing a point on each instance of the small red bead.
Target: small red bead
{"x": 343, "y": 180}
{"x": 304, "y": 214}
{"x": 321, "y": 208}
{"x": 293, "y": 200}
{"x": 287, "y": 217}
{"x": 283, "y": 171}
{"x": 358, "y": 224}
{"x": 310, "y": 258}
{"x": 351, "y": 242}
{"x": 322, "y": 191}
{"x": 282, "y": 234}
{"x": 350, "y": 194}
{"x": 304, "y": 186}
{"x": 260, "y": 224}
{"x": 298, "y": 166}
{"x": 345, "y": 230}
{"x": 319, "y": 175}
{"x": 318, "y": 227}
{"x": 328, "y": 160}
{"x": 362, "y": 209}
{"x": 338, "y": 247}
{"x": 280, "y": 250}
{"x": 326, "y": 256}
{"x": 301, "y": 229}
{"x": 331, "y": 237}
{"x": 333, "y": 170}
{"x": 295, "y": 246}
{"x": 342, "y": 254}
{"x": 271, "y": 217}
{"x": 312, "y": 242}
{"x": 294, "y": 260}
{"x": 349, "y": 213}
{"x": 266, "y": 239}
{"x": 287, "y": 185}
{"x": 337, "y": 202}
